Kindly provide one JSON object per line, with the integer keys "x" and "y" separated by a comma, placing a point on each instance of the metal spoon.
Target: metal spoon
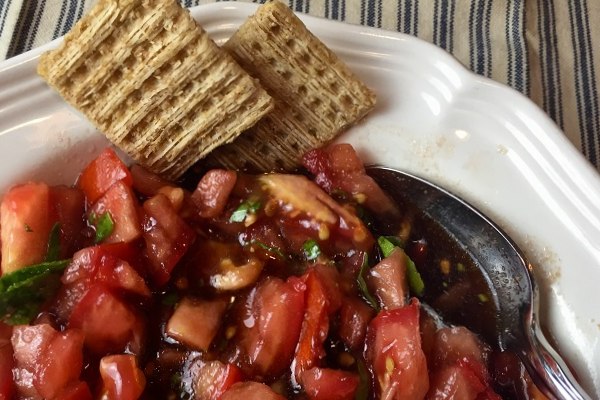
{"x": 507, "y": 272}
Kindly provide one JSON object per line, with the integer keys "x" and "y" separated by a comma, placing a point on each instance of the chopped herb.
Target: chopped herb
{"x": 311, "y": 249}
{"x": 170, "y": 299}
{"x": 23, "y": 292}
{"x": 362, "y": 284}
{"x": 483, "y": 298}
{"x": 247, "y": 207}
{"x": 104, "y": 225}
{"x": 415, "y": 282}
{"x": 388, "y": 243}
{"x": 270, "y": 249}
{"x": 362, "y": 391}
{"x": 445, "y": 284}
{"x": 460, "y": 267}
{"x": 28, "y": 228}
{"x": 53, "y": 252}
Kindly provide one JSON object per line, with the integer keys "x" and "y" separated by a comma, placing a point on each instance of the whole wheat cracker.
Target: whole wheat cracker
{"x": 316, "y": 95}
{"x": 154, "y": 83}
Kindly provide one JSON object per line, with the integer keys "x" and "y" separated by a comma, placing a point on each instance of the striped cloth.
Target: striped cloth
{"x": 542, "y": 48}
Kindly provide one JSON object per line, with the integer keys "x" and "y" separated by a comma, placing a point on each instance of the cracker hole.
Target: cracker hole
{"x": 256, "y": 46}
{"x": 291, "y": 43}
{"x": 346, "y": 100}
{"x": 275, "y": 29}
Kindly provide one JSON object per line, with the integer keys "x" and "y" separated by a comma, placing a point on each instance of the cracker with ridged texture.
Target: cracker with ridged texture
{"x": 316, "y": 95}
{"x": 147, "y": 75}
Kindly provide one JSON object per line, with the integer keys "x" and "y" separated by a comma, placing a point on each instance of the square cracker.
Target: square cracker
{"x": 316, "y": 95}
{"x": 154, "y": 83}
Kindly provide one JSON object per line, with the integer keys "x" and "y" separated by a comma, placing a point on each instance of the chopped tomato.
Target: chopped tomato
{"x": 100, "y": 174}
{"x": 459, "y": 365}
{"x": 454, "y": 344}
{"x": 120, "y": 203}
{"x": 388, "y": 280}
{"x": 146, "y": 182}
{"x": 459, "y": 381}
{"x": 338, "y": 167}
{"x": 393, "y": 353}
{"x": 319, "y": 306}
{"x": 121, "y": 377}
{"x": 213, "y": 378}
{"x": 273, "y": 307}
{"x": 69, "y": 204}
{"x": 355, "y": 316}
{"x": 26, "y": 222}
{"x": 329, "y": 384}
{"x": 105, "y": 264}
{"x": 195, "y": 322}
{"x": 264, "y": 240}
{"x": 250, "y": 391}
{"x": 107, "y": 322}
{"x": 75, "y": 391}
{"x": 167, "y": 237}
{"x": 46, "y": 361}
{"x": 213, "y": 191}
{"x": 7, "y": 386}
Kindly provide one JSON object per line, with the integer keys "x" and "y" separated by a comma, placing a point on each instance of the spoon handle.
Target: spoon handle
{"x": 554, "y": 377}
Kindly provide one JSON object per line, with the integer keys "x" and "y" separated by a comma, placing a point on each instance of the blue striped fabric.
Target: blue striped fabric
{"x": 542, "y": 48}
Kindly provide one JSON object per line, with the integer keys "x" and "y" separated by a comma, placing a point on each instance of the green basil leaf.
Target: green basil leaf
{"x": 362, "y": 284}
{"x": 104, "y": 225}
{"x": 415, "y": 282}
{"x": 247, "y": 207}
{"x": 271, "y": 249}
{"x": 311, "y": 249}
{"x": 23, "y": 292}
{"x": 53, "y": 252}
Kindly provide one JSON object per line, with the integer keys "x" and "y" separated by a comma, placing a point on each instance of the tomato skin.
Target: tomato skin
{"x": 320, "y": 302}
{"x": 388, "y": 280}
{"x": 250, "y": 391}
{"x": 26, "y": 222}
{"x": 355, "y": 316}
{"x": 167, "y": 237}
{"x": 273, "y": 306}
{"x": 69, "y": 205}
{"x": 7, "y": 386}
{"x": 120, "y": 202}
{"x": 213, "y": 378}
{"x": 146, "y": 182}
{"x": 393, "y": 353}
{"x": 46, "y": 361}
{"x": 109, "y": 324}
{"x": 213, "y": 191}
{"x": 122, "y": 379}
{"x": 338, "y": 166}
{"x": 100, "y": 174}
{"x": 329, "y": 384}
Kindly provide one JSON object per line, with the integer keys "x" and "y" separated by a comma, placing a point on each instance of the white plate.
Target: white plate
{"x": 435, "y": 119}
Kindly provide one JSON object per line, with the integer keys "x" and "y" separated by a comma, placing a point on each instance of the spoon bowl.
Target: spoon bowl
{"x": 508, "y": 275}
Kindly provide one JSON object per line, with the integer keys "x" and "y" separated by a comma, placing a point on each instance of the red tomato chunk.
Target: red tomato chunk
{"x": 238, "y": 287}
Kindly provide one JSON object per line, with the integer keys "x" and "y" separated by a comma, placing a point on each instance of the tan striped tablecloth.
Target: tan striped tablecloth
{"x": 543, "y": 48}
